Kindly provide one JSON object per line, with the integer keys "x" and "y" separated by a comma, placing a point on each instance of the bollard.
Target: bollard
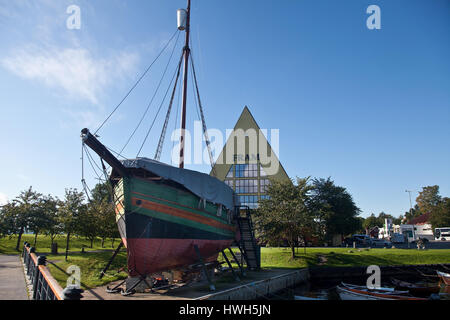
{"x": 41, "y": 260}
{"x": 72, "y": 293}
{"x": 55, "y": 248}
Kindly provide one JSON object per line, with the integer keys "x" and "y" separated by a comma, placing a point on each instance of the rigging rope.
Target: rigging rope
{"x": 157, "y": 113}
{"x": 205, "y": 131}
{"x": 164, "y": 129}
{"x": 137, "y": 82}
{"x": 176, "y": 116}
{"x": 154, "y": 95}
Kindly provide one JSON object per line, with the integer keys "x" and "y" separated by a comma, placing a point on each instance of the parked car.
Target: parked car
{"x": 398, "y": 238}
{"x": 381, "y": 243}
{"x": 359, "y": 239}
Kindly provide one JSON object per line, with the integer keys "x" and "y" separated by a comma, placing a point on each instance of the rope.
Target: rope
{"x": 154, "y": 95}
{"x": 166, "y": 122}
{"x": 178, "y": 112}
{"x": 205, "y": 131}
{"x": 137, "y": 82}
{"x": 159, "y": 109}
{"x": 91, "y": 161}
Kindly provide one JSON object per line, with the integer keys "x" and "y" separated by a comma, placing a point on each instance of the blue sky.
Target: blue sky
{"x": 370, "y": 108}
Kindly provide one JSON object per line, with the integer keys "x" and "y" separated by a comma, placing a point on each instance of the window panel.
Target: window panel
{"x": 247, "y": 186}
{"x": 230, "y": 173}
{"x": 230, "y": 183}
{"x": 263, "y": 183}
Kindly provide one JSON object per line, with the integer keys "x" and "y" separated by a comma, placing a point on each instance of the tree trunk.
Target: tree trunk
{"x": 103, "y": 242}
{"x": 18, "y": 239}
{"x": 304, "y": 245}
{"x": 67, "y": 244}
{"x": 293, "y": 249}
{"x": 35, "y": 238}
{"x": 92, "y": 242}
{"x": 112, "y": 242}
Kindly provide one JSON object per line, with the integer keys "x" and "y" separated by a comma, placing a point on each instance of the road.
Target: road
{"x": 433, "y": 244}
{"x": 12, "y": 278}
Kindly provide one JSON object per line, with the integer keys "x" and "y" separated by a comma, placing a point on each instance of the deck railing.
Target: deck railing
{"x": 45, "y": 287}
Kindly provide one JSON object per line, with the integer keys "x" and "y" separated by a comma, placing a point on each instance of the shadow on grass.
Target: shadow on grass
{"x": 86, "y": 287}
{"x": 90, "y": 264}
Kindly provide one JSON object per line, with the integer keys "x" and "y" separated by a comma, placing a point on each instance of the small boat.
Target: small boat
{"x": 445, "y": 277}
{"x": 354, "y": 292}
{"x": 424, "y": 288}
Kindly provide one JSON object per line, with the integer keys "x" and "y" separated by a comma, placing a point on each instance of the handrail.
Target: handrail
{"x": 45, "y": 286}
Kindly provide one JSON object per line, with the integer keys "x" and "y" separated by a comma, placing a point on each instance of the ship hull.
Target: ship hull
{"x": 161, "y": 224}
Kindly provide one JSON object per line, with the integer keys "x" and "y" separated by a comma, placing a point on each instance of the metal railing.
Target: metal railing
{"x": 45, "y": 287}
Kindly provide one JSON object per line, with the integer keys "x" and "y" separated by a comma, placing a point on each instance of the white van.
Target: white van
{"x": 442, "y": 234}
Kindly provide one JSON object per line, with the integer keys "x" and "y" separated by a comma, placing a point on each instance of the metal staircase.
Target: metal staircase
{"x": 247, "y": 243}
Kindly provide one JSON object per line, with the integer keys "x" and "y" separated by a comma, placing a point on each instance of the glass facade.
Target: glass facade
{"x": 249, "y": 181}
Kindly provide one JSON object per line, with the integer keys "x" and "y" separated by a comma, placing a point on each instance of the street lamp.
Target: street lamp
{"x": 410, "y": 212}
{"x": 410, "y": 202}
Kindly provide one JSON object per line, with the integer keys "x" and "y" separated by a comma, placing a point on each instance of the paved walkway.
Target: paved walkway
{"x": 12, "y": 278}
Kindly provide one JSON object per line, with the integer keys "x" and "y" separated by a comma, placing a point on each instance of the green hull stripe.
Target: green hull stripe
{"x": 190, "y": 223}
{"x": 171, "y": 196}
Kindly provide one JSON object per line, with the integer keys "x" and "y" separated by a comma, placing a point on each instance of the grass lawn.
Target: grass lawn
{"x": 345, "y": 257}
{"x": 8, "y": 245}
{"x": 91, "y": 264}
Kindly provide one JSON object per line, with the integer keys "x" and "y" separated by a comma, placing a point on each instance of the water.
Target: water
{"x": 323, "y": 292}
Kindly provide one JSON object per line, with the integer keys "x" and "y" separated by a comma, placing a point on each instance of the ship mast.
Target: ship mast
{"x": 186, "y": 53}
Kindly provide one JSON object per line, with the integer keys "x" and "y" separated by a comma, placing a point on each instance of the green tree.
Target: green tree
{"x": 441, "y": 215}
{"x": 340, "y": 213}
{"x": 371, "y": 222}
{"x": 27, "y": 203}
{"x": 88, "y": 223}
{"x": 398, "y": 220}
{"x": 286, "y": 214}
{"x": 102, "y": 207}
{"x": 8, "y": 225}
{"x": 413, "y": 213}
{"x": 53, "y": 226}
{"x": 42, "y": 217}
{"x": 70, "y": 211}
{"x": 428, "y": 199}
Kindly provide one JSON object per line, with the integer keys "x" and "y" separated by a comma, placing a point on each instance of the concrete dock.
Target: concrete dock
{"x": 255, "y": 285}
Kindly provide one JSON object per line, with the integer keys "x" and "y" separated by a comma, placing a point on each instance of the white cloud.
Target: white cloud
{"x": 74, "y": 70}
{"x": 3, "y": 199}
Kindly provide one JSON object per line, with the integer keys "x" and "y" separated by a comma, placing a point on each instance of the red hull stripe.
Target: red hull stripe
{"x": 149, "y": 205}
{"x": 147, "y": 256}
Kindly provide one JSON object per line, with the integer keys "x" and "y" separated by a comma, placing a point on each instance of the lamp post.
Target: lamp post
{"x": 410, "y": 202}
{"x": 410, "y": 212}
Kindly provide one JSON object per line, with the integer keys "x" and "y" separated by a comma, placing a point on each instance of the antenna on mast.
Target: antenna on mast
{"x": 184, "y": 24}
